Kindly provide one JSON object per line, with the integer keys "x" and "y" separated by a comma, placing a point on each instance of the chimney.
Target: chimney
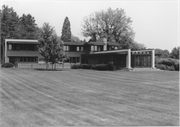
{"x": 105, "y": 43}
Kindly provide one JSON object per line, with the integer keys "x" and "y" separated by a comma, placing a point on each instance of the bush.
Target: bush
{"x": 7, "y": 65}
{"x": 104, "y": 67}
{"x": 176, "y": 67}
{"x": 100, "y": 67}
{"x": 86, "y": 66}
{"x": 76, "y": 66}
{"x": 161, "y": 66}
{"x": 168, "y": 64}
{"x": 165, "y": 67}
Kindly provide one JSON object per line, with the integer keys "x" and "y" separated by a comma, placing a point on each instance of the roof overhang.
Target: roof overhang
{"x": 22, "y": 41}
{"x": 123, "y": 51}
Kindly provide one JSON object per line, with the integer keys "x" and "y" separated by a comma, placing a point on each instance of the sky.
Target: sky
{"x": 155, "y": 22}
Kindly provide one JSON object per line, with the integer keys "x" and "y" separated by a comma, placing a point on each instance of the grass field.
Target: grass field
{"x": 33, "y": 98}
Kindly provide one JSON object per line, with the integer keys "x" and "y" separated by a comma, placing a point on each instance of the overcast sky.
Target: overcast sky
{"x": 156, "y": 23}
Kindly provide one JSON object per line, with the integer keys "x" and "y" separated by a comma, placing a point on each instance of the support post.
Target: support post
{"x": 128, "y": 59}
{"x": 5, "y": 51}
{"x": 153, "y": 59}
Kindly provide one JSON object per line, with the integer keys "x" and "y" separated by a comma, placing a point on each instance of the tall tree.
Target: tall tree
{"x": 112, "y": 24}
{"x": 28, "y": 28}
{"x": 175, "y": 53}
{"x": 50, "y": 46}
{"x": 66, "y": 31}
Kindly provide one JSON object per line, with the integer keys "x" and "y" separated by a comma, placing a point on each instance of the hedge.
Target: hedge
{"x": 7, "y": 65}
{"x": 95, "y": 66}
{"x": 76, "y": 66}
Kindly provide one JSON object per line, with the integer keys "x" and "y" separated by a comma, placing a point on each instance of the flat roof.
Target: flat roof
{"x": 110, "y": 51}
{"x": 102, "y": 43}
{"x": 22, "y": 41}
{"x": 73, "y": 43}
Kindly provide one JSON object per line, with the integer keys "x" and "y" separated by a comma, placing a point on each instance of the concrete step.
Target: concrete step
{"x": 145, "y": 69}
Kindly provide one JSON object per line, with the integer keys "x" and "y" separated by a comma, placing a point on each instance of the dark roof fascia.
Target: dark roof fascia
{"x": 73, "y": 43}
{"x": 27, "y": 42}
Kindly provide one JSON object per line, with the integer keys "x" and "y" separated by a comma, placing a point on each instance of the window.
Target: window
{"x": 67, "y": 48}
{"x": 77, "y": 48}
{"x": 82, "y": 48}
{"x": 10, "y": 47}
{"x": 64, "y": 48}
{"x": 92, "y": 48}
{"x": 95, "y": 48}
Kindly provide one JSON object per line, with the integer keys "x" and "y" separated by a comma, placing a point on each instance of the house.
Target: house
{"x": 102, "y": 52}
{"x": 21, "y": 50}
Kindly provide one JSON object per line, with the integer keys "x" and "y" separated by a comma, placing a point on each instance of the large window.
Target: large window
{"x": 22, "y": 59}
{"x": 23, "y": 47}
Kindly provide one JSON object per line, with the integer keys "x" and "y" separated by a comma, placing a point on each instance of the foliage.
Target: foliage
{"x": 94, "y": 66}
{"x": 76, "y": 66}
{"x": 165, "y": 67}
{"x": 162, "y": 53}
{"x": 66, "y": 31}
{"x": 50, "y": 46}
{"x": 13, "y": 26}
{"x": 9, "y": 22}
{"x": 112, "y": 24}
{"x": 175, "y": 53}
{"x": 86, "y": 66}
{"x": 28, "y": 28}
{"x": 7, "y": 65}
{"x": 167, "y": 64}
{"x": 137, "y": 46}
{"x": 104, "y": 67}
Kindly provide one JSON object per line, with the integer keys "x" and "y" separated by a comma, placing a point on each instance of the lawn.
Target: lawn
{"x": 33, "y": 98}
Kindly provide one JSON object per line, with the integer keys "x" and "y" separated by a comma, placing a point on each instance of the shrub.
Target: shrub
{"x": 176, "y": 67}
{"x": 104, "y": 67}
{"x": 95, "y": 66}
{"x": 76, "y": 66}
{"x": 168, "y": 64}
{"x": 86, "y": 66}
{"x": 100, "y": 67}
{"x": 7, "y": 65}
{"x": 161, "y": 66}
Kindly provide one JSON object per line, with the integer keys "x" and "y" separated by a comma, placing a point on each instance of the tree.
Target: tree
{"x": 50, "y": 46}
{"x": 137, "y": 46}
{"x": 66, "y": 31}
{"x": 28, "y": 28}
{"x": 175, "y": 53}
{"x": 112, "y": 24}
{"x": 162, "y": 53}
